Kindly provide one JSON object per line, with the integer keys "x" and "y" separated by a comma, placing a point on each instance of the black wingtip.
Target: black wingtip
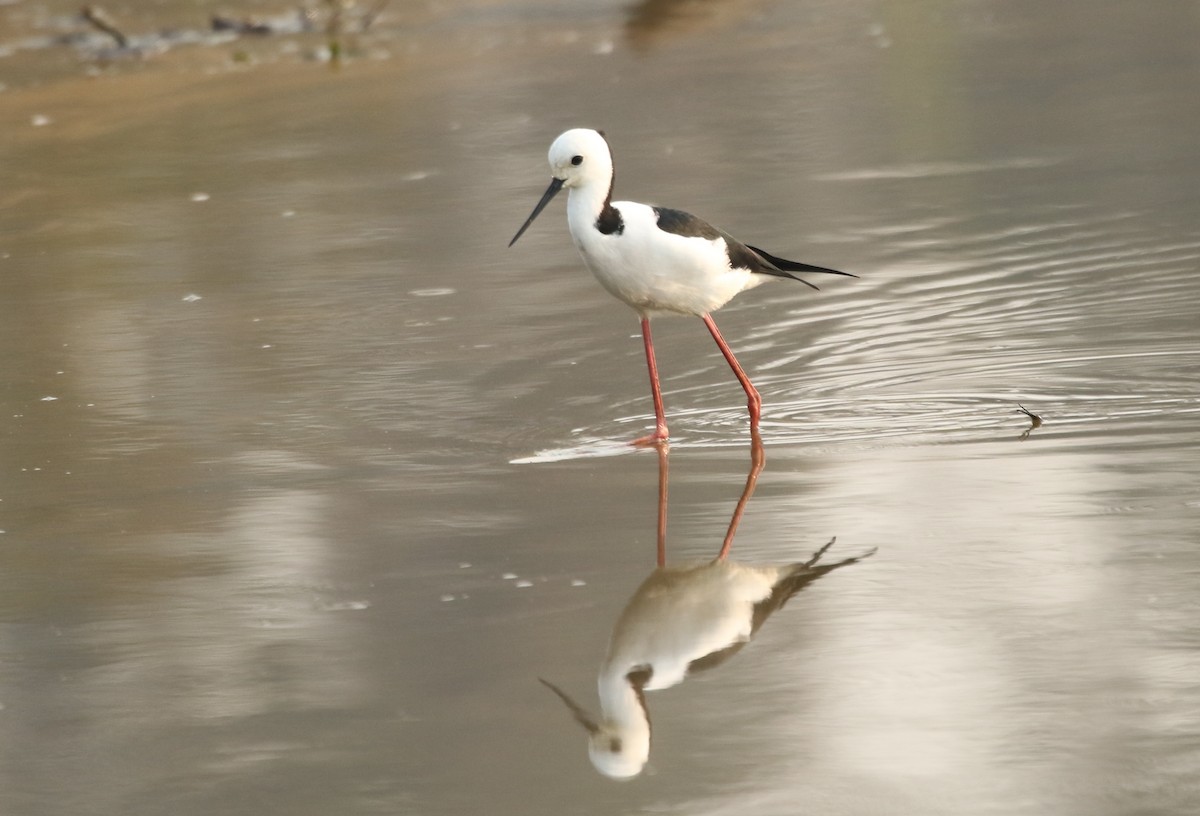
{"x": 783, "y": 264}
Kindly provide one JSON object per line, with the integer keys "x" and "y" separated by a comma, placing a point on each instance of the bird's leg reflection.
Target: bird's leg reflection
{"x": 683, "y": 619}
{"x": 663, "y": 469}
{"x": 758, "y": 460}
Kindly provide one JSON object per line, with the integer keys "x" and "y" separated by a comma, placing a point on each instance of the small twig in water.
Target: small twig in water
{"x": 333, "y": 26}
{"x": 370, "y": 16}
{"x": 1035, "y": 421}
{"x": 247, "y": 25}
{"x": 99, "y": 19}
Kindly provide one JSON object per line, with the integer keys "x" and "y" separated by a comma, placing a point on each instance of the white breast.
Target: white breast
{"x": 652, "y": 270}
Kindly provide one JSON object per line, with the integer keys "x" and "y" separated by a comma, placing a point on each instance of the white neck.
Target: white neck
{"x": 622, "y": 709}
{"x": 584, "y": 205}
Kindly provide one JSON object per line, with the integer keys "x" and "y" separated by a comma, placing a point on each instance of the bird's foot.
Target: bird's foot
{"x": 659, "y": 437}
{"x": 754, "y": 406}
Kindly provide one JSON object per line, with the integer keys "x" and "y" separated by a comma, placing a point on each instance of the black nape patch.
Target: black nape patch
{"x": 678, "y": 222}
{"x": 639, "y": 676}
{"x": 609, "y": 221}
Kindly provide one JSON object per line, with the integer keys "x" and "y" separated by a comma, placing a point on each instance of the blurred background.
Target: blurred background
{"x": 305, "y": 478}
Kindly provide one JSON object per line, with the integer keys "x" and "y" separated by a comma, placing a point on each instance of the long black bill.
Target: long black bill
{"x": 581, "y": 715}
{"x": 551, "y": 191}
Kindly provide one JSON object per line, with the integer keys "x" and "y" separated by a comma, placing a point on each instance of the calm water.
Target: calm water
{"x": 305, "y": 479}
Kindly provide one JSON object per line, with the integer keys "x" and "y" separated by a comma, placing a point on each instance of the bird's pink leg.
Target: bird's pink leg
{"x": 754, "y": 401}
{"x": 660, "y": 419}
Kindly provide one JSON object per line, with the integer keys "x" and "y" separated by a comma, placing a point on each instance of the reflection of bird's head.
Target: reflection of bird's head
{"x": 616, "y": 750}
{"x": 617, "y": 755}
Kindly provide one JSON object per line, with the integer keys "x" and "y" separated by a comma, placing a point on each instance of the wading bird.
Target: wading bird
{"x": 655, "y": 259}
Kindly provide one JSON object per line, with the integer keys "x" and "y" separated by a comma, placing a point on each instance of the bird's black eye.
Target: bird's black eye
{"x": 577, "y": 160}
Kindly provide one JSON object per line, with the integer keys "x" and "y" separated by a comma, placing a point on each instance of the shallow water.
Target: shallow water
{"x": 306, "y": 479}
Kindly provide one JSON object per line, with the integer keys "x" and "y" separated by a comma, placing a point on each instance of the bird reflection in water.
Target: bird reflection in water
{"x": 683, "y": 619}
{"x": 651, "y": 23}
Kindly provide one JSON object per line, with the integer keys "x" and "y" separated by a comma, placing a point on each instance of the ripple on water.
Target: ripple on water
{"x": 1087, "y": 322}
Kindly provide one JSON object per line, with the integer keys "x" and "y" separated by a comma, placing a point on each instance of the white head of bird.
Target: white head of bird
{"x": 580, "y": 159}
{"x": 581, "y": 156}
{"x": 618, "y": 744}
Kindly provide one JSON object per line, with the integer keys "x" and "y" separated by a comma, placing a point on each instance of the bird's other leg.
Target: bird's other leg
{"x": 660, "y": 418}
{"x": 753, "y": 400}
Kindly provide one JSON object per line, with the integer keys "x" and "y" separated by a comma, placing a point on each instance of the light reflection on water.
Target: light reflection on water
{"x": 1087, "y": 328}
{"x": 255, "y": 551}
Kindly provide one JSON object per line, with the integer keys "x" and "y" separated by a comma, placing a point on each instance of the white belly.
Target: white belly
{"x": 656, "y": 271}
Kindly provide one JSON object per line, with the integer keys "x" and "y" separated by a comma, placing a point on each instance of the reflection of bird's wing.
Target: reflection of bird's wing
{"x": 793, "y": 579}
{"x": 681, "y": 618}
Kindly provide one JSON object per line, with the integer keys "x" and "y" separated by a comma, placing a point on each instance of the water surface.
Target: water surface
{"x": 301, "y": 484}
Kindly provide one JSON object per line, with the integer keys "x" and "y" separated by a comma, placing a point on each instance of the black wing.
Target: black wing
{"x": 741, "y": 256}
{"x": 678, "y": 222}
{"x": 714, "y": 659}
